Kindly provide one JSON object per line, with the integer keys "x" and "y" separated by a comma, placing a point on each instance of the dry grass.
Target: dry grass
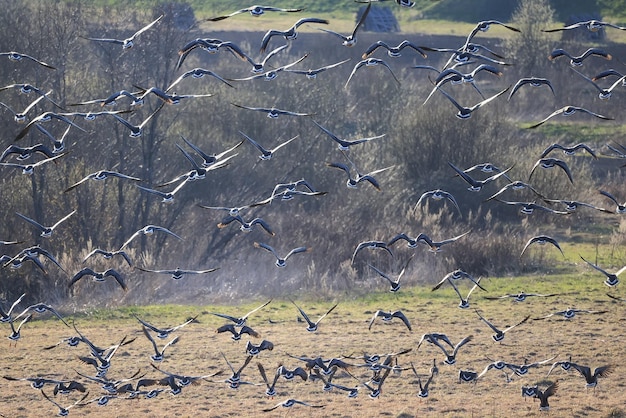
{"x": 592, "y": 340}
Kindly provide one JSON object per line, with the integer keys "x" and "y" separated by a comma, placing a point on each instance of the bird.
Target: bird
{"x": 101, "y": 175}
{"x": 288, "y": 403}
{"x": 544, "y": 395}
{"x": 20, "y": 117}
{"x": 499, "y": 334}
{"x": 253, "y": 350}
{"x": 178, "y": 273}
{"x": 46, "y": 231}
{"x": 498, "y": 365}
{"x": 451, "y": 357}
{"x": 464, "y": 303}
{"x": 392, "y": 51}
{"x": 522, "y": 369}
{"x": 291, "y": 33}
{"x": 210, "y": 159}
{"x": 611, "y": 278}
{"x": 197, "y": 73}
{"x": 30, "y": 168}
{"x": 259, "y": 67}
{"x": 591, "y": 25}
{"x": 344, "y": 144}
{"x": 432, "y": 337}
{"x": 423, "y": 393}
{"x": 371, "y": 62}
{"x": 370, "y": 244}
{"x": 564, "y": 364}
{"x": 569, "y": 313}
{"x": 198, "y": 171}
{"x": 454, "y": 76}
{"x": 350, "y": 40}
{"x": 245, "y": 226}
{"x": 483, "y": 26}
{"x": 270, "y": 391}
{"x": 466, "y": 112}
{"x": 457, "y": 275}
{"x": 621, "y": 207}
{"x": 234, "y": 381}
{"x": 313, "y": 73}
{"x": 393, "y": 283}
{"x": 99, "y": 276}
{"x": 533, "y": 82}
{"x": 185, "y": 380}
{"x": 45, "y": 117}
{"x": 158, "y": 354}
{"x": 273, "y": 112}
{"x": 438, "y": 194}
{"x": 527, "y": 208}
{"x": 280, "y": 261}
{"x": 542, "y": 240}
{"x": 551, "y": 163}
{"x": 64, "y": 410}
{"x": 109, "y": 254}
{"x": 272, "y": 73}
{"x": 567, "y": 111}
{"x": 568, "y": 150}
{"x": 288, "y": 374}
{"x": 266, "y": 154}
{"x": 24, "y": 153}
{"x": 137, "y": 130}
{"x": 435, "y": 246}
{"x": 41, "y": 308}
{"x": 112, "y": 99}
{"x": 388, "y": 316}
{"x": 163, "y": 333}
{"x": 313, "y": 326}
{"x": 241, "y": 321}
{"x": 6, "y": 316}
{"x": 605, "y": 93}
{"x": 578, "y": 60}
{"x": 521, "y": 296}
{"x": 15, "y": 332}
{"x": 591, "y": 379}
{"x": 352, "y": 182}
{"x": 485, "y": 168}
{"x": 148, "y": 230}
{"x": 467, "y": 376}
{"x": 236, "y": 334}
{"x": 128, "y": 42}
{"x": 18, "y": 56}
{"x": 515, "y": 185}
{"x": 255, "y": 11}
{"x": 477, "y": 185}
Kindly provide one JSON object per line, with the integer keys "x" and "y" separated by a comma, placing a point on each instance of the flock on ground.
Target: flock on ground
{"x": 351, "y": 375}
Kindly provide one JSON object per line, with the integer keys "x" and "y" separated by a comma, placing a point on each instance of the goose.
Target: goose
{"x": 484, "y": 25}
{"x": 352, "y": 182}
{"x": 158, "y": 355}
{"x": 499, "y": 334}
{"x": 288, "y": 403}
{"x": 18, "y": 57}
{"x": 236, "y": 334}
{"x": 568, "y": 150}
{"x": 272, "y": 112}
{"x": 312, "y": 74}
{"x": 467, "y": 376}
{"x": 464, "y": 303}
{"x": 466, "y": 112}
{"x": 163, "y": 333}
{"x": 259, "y": 67}
{"x": 271, "y": 391}
{"x": 234, "y": 381}
{"x": 266, "y": 154}
{"x": 64, "y": 410}
{"x": 393, "y": 283}
{"x": 454, "y": 76}
{"x": 604, "y": 94}
{"x": 20, "y": 117}
{"x": 255, "y": 11}
{"x": 128, "y": 42}
{"x": 522, "y": 369}
{"x": 611, "y": 278}
{"x": 498, "y": 365}
{"x": 210, "y": 159}
{"x": 569, "y": 313}
{"x": 621, "y": 207}
{"x": 591, "y": 379}
{"x": 591, "y": 25}
{"x": 211, "y": 46}
{"x": 572, "y": 205}
{"x": 101, "y": 175}
{"x": 370, "y": 62}
{"x": 288, "y": 374}
{"x": 178, "y": 273}
{"x": 544, "y": 395}
{"x": 515, "y": 185}
{"x": 527, "y": 208}
{"x": 112, "y": 99}
{"x": 392, "y": 51}
{"x": 438, "y": 194}
{"x": 578, "y": 60}
{"x": 551, "y": 163}
{"x": 423, "y": 393}
{"x": 35, "y": 382}
{"x": 432, "y": 337}
{"x": 241, "y": 321}
{"x": 542, "y": 240}
{"x": 137, "y": 130}
{"x": 185, "y": 380}
{"x": 370, "y": 244}
{"x": 533, "y": 82}
{"x": 388, "y": 316}
{"x": 111, "y": 386}
{"x": 108, "y": 255}
{"x": 99, "y": 276}
{"x": 197, "y": 73}
{"x": 451, "y": 357}
{"x": 46, "y": 231}
{"x": 521, "y": 296}
{"x": 291, "y": 33}
{"x": 41, "y": 308}
{"x": 271, "y": 74}
{"x": 313, "y": 326}
{"x": 24, "y": 153}
{"x": 350, "y": 40}
{"x": 253, "y": 350}
{"x": 344, "y": 144}
{"x": 6, "y": 316}
{"x": 148, "y": 230}
{"x": 477, "y": 185}
{"x": 457, "y": 275}
{"x": 567, "y": 111}
{"x": 564, "y": 364}
{"x": 280, "y": 261}
{"x": 435, "y": 246}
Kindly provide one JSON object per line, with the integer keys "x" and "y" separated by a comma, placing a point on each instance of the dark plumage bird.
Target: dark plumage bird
{"x": 591, "y": 25}
{"x": 281, "y": 261}
{"x": 611, "y": 278}
{"x": 438, "y": 194}
{"x": 568, "y": 150}
{"x": 451, "y": 357}
{"x": 591, "y": 379}
{"x": 551, "y": 163}
{"x": 578, "y": 60}
{"x": 388, "y": 316}
{"x": 291, "y": 33}
{"x": 350, "y": 40}
{"x": 270, "y": 391}
{"x": 18, "y": 57}
{"x": 273, "y": 112}
{"x": 99, "y": 276}
{"x": 499, "y": 334}
{"x": 393, "y": 283}
{"x": 544, "y": 395}
{"x": 620, "y": 207}
{"x": 164, "y": 332}
{"x": 109, "y": 254}
{"x": 392, "y": 51}
{"x": 605, "y": 93}
{"x": 236, "y": 334}
{"x": 255, "y": 11}
{"x": 101, "y": 175}
{"x": 344, "y": 144}
{"x": 477, "y": 185}
{"x": 370, "y": 244}
{"x": 178, "y": 273}
{"x": 542, "y": 240}
{"x": 158, "y": 354}
{"x": 41, "y": 308}
{"x": 289, "y": 403}
{"x": 24, "y": 153}
{"x": 533, "y": 82}
{"x": 239, "y": 322}
{"x": 267, "y": 154}
{"x": 64, "y": 410}
{"x": 312, "y": 326}
{"x": 483, "y": 26}
{"x": 466, "y": 112}
{"x": 149, "y": 230}
{"x": 253, "y": 350}
{"x": 6, "y": 316}
{"x": 567, "y": 111}
{"x": 370, "y": 62}
{"x": 128, "y": 42}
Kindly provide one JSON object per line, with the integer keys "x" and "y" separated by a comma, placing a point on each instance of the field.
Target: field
{"x": 591, "y": 339}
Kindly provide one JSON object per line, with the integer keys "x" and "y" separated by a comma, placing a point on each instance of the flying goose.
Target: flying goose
{"x": 128, "y": 42}
{"x": 312, "y": 326}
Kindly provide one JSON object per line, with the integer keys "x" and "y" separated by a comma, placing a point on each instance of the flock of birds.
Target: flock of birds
{"x": 321, "y": 371}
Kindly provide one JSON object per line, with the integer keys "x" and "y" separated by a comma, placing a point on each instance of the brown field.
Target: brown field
{"x": 592, "y": 340}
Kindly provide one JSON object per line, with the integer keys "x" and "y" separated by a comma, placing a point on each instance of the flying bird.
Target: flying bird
{"x": 291, "y": 33}
{"x": 438, "y": 194}
{"x": 163, "y": 333}
{"x": 578, "y": 60}
{"x": 18, "y": 56}
{"x": 499, "y": 334}
{"x": 149, "y": 230}
{"x": 392, "y": 51}
{"x": 551, "y": 163}
{"x": 313, "y": 326}
{"x": 255, "y": 11}
{"x": 350, "y": 40}
{"x": 241, "y": 321}
{"x": 267, "y": 154}
{"x": 388, "y": 316}
{"x": 542, "y": 240}
{"x": 178, "y": 273}
{"x": 280, "y": 260}
{"x": 370, "y": 62}
{"x": 273, "y": 112}
{"x": 611, "y": 278}
{"x": 344, "y": 144}
{"x": 46, "y": 231}
{"x": 533, "y": 82}
{"x": 620, "y": 207}
{"x": 101, "y": 175}
{"x": 99, "y": 276}
{"x": 128, "y": 42}
{"x": 466, "y": 112}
